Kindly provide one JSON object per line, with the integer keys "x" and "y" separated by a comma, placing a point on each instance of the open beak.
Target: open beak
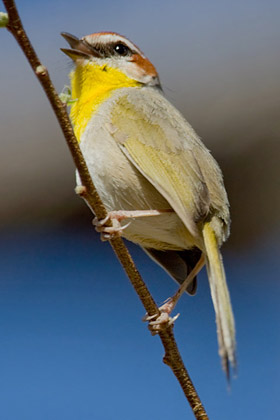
{"x": 79, "y": 48}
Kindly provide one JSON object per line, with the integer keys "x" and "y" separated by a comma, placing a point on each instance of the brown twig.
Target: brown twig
{"x": 172, "y": 356}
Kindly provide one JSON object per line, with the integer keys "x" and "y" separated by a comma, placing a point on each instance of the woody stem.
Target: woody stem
{"x": 172, "y": 356}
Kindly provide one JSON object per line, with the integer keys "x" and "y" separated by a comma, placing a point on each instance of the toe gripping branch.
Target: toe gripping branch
{"x": 109, "y": 232}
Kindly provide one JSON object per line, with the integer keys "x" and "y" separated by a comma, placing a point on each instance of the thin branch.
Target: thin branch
{"x": 172, "y": 356}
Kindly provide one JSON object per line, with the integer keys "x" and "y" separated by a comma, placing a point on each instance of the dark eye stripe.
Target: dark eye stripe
{"x": 112, "y": 49}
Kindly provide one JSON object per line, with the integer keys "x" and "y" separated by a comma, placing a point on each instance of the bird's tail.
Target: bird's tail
{"x": 221, "y": 299}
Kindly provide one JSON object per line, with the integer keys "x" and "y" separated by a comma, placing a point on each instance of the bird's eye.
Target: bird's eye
{"x": 121, "y": 49}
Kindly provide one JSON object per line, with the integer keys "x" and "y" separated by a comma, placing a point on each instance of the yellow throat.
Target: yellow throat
{"x": 91, "y": 85}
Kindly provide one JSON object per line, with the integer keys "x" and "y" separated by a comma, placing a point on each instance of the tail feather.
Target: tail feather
{"x": 221, "y": 299}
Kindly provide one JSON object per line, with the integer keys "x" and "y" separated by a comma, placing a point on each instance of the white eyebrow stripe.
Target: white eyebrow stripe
{"x": 109, "y": 38}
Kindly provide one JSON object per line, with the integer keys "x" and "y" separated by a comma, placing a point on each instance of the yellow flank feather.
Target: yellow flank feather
{"x": 171, "y": 170}
{"x": 91, "y": 85}
{"x": 158, "y": 165}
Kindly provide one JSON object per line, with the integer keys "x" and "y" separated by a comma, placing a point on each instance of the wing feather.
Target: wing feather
{"x": 164, "y": 153}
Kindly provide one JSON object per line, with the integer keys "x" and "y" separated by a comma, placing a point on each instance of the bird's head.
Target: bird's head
{"x": 109, "y": 50}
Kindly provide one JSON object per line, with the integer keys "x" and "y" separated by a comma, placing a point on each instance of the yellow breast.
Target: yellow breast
{"x": 91, "y": 85}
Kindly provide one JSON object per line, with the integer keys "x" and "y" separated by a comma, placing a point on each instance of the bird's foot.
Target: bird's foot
{"x": 109, "y": 232}
{"x": 162, "y": 321}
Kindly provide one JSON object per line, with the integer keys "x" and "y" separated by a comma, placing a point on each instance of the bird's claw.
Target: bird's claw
{"x": 108, "y": 232}
{"x": 157, "y": 323}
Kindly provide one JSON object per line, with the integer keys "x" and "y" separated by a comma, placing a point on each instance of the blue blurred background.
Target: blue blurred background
{"x": 72, "y": 344}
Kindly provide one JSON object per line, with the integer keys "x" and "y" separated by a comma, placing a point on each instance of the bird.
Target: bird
{"x": 150, "y": 167}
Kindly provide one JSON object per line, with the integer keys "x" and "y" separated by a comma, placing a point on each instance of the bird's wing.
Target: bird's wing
{"x": 165, "y": 149}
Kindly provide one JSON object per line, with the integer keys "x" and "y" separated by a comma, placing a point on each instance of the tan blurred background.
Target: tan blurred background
{"x": 219, "y": 63}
